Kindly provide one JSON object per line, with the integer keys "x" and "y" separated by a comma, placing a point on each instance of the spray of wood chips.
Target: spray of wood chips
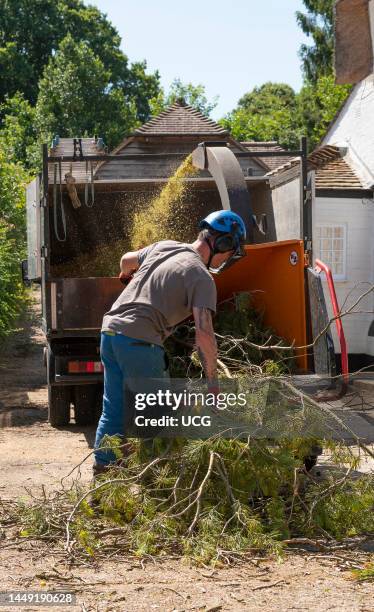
{"x": 161, "y": 219}
{"x": 103, "y": 261}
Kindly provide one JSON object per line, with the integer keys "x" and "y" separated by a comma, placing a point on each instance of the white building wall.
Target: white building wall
{"x": 371, "y": 17}
{"x": 354, "y": 129}
{"x": 358, "y": 217}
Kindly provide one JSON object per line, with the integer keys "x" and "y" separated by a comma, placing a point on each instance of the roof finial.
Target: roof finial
{"x": 181, "y": 101}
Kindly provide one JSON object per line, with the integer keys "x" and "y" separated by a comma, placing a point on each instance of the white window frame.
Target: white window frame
{"x": 338, "y": 277}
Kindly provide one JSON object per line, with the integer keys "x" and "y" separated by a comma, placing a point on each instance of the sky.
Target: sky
{"x": 228, "y": 46}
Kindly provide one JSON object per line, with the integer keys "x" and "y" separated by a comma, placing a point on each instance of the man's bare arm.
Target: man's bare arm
{"x": 129, "y": 262}
{"x": 206, "y": 342}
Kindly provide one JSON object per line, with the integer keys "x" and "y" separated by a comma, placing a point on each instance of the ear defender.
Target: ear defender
{"x": 224, "y": 243}
{"x": 231, "y": 237}
{"x": 227, "y": 242}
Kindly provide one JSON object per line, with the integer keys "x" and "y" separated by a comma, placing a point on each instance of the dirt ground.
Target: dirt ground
{"x": 33, "y": 454}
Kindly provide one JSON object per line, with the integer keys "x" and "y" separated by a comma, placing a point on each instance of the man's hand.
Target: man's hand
{"x": 206, "y": 343}
{"x": 125, "y": 278}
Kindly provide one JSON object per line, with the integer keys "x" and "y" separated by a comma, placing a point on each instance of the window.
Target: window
{"x": 330, "y": 247}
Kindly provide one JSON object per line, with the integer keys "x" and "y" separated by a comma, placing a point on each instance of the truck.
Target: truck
{"x": 78, "y": 226}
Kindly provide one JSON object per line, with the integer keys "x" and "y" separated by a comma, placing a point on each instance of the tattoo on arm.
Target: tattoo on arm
{"x": 204, "y": 319}
{"x": 205, "y": 342}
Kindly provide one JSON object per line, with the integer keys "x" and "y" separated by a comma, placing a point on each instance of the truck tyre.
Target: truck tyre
{"x": 85, "y": 404}
{"x": 58, "y": 405}
{"x": 58, "y": 396}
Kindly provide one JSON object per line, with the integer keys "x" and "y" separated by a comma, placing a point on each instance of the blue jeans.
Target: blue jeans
{"x": 124, "y": 359}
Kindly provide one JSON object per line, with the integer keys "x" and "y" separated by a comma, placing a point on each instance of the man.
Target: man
{"x": 169, "y": 280}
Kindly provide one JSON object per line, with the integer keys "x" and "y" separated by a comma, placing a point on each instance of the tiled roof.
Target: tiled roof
{"x": 324, "y": 155}
{"x": 332, "y": 170}
{"x": 337, "y": 174}
{"x": 65, "y": 146}
{"x": 271, "y": 162}
{"x": 180, "y": 119}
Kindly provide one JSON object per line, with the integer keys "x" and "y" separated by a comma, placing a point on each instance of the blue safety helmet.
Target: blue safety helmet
{"x": 225, "y": 221}
{"x": 231, "y": 235}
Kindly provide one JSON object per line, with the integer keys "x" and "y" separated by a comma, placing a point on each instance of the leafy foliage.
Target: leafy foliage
{"x": 240, "y": 331}
{"x": 348, "y": 511}
{"x": 18, "y": 134}
{"x": 269, "y": 95}
{"x": 366, "y": 573}
{"x": 31, "y": 32}
{"x": 15, "y": 70}
{"x": 213, "y": 501}
{"x": 317, "y": 105}
{"x": 266, "y": 113}
{"x": 275, "y": 112}
{"x": 193, "y": 95}
{"x": 74, "y": 97}
{"x": 317, "y": 23}
{"x": 12, "y": 241}
{"x": 47, "y": 45}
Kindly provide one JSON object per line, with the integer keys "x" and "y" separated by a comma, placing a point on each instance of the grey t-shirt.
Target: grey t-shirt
{"x": 171, "y": 279}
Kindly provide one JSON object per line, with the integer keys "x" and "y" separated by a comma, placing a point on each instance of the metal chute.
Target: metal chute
{"x": 222, "y": 164}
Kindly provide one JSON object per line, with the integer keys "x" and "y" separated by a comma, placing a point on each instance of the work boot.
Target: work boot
{"x": 127, "y": 448}
{"x": 101, "y": 469}
{"x": 98, "y": 469}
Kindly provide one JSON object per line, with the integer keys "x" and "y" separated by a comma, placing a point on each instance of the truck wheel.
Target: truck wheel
{"x": 58, "y": 405}
{"x": 84, "y": 404}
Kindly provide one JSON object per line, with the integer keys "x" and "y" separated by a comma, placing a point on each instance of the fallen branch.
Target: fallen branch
{"x": 269, "y": 586}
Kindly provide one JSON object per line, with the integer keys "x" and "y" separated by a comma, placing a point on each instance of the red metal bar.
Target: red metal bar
{"x": 320, "y": 266}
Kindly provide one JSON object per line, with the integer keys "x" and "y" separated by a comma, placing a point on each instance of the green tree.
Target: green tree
{"x": 31, "y": 32}
{"x": 317, "y": 23}
{"x": 267, "y": 112}
{"x": 18, "y": 133}
{"x": 319, "y": 99}
{"x": 268, "y": 95}
{"x": 77, "y": 98}
{"x": 193, "y": 95}
{"x": 15, "y": 71}
{"x": 317, "y": 105}
{"x": 274, "y": 111}
{"x": 12, "y": 239}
